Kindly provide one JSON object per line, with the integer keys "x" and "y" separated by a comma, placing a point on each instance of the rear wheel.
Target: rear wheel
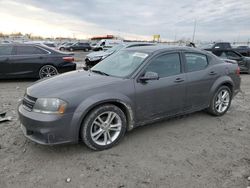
{"x": 47, "y": 71}
{"x": 103, "y": 127}
{"x": 71, "y": 49}
{"x": 62, "y": 49}
{"x": 221, "y": 101}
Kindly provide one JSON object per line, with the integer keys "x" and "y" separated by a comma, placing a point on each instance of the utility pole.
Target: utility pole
{"x": 194, "y": 30}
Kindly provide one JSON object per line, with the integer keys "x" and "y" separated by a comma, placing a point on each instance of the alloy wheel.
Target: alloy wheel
{"x": 222, "y": 101}
{"x": 47, "y": 71}
{"x": 106, "y": 128}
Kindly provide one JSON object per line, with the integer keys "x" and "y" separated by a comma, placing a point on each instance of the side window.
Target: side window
{"x": 220, "y": 54}
{"x": 195, "y": 62}
{"x": 40, "y": 51}
{"x": 232, "y": 55}
{"x": 165, "y": 65}
{"x": 29, "y": 50}
{"x": 5, "y": 50}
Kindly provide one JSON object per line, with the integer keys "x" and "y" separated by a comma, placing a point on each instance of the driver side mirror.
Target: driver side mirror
{"x": 149, "y": 76}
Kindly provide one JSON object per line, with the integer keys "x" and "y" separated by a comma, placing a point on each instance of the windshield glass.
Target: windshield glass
{"x": 115, "y": 48}
{"x": 121, "y": 64}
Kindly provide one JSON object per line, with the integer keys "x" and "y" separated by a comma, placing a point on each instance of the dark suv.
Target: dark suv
{"x": 79, "y": 46}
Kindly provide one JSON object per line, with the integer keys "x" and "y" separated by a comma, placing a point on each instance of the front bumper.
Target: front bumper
{"x": 90, "y": 63}
{"x": 46, "y": 129}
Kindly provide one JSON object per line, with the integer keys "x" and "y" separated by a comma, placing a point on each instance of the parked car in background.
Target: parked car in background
{"x": 243, "y": 62}
{"x": 48, "y": 44}
{"x": 33, "y": 61}
{"x": 243, "y": 50}
{"x": 219, "y": 45}
{"x": 62, "y": 46}
{"x": 78, "y": 46}
{"x": 105, "y": 44}
{"x": 5, "y": 42}
{"x": 95, "y": 57}
{"x": 133, "y": 87}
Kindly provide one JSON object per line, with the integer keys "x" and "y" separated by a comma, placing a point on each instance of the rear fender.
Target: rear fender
{"x": 221, "y": 81}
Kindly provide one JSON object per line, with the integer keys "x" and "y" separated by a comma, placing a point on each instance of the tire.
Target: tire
{"x": 219, "y": 106}
{"x": 86, "y": 50}
{"x": 47, "y": 71}
{"x": 62, "y": 49}
{"x": 96, "y": 126}
{"x": 71, "y": 49}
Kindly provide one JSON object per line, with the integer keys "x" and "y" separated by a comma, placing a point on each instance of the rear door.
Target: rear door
{"x": 5, "y": 54}
{"x": 27, "y": 61}
{"x": 201, "y": 76}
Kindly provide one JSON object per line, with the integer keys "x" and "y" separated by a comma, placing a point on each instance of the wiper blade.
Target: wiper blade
{"x": 99, "y": 72}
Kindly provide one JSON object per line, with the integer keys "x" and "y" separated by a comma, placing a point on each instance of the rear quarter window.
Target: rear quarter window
{"x": 195, "y": 61}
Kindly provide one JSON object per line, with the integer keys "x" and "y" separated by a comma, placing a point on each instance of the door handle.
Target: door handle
{"x": 179, "y": 80}
{"x": 212, "y": 73}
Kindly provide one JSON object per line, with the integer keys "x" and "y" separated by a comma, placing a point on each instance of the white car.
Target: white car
{"x": 105, "y": 44}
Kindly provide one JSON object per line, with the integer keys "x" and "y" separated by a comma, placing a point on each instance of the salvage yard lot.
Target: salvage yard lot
{"x": 197, "y": 150}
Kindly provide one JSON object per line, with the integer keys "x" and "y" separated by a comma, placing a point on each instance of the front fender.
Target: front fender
{"x": 85, "y": 106}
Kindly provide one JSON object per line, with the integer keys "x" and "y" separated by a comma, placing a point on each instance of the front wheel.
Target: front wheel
{"x": 47, "y": 71}
{"x": 221, "y": 101}
{"x": 103, "y": 127}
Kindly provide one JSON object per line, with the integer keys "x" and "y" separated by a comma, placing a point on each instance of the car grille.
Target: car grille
{"x": 29, "y": 102}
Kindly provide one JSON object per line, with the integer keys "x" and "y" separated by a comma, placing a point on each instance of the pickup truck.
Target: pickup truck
{"x": 243, "y": 50}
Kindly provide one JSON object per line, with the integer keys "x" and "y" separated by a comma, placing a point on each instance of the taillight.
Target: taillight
{"x": 238, "y": 71}
{"x": 68, "y": 59}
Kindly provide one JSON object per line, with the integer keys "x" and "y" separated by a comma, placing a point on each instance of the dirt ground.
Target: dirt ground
{"x": 193, "y": 151}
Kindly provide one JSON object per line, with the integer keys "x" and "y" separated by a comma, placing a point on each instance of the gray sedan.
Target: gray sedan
{"x": 133, "y": 87}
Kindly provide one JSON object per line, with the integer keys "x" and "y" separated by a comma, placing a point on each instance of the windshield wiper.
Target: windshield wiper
{"x": 99, "y": 72}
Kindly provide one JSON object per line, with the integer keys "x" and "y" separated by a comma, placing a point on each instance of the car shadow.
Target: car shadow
{"x": 80, "y": 148}
{"x": 18, "y": 80}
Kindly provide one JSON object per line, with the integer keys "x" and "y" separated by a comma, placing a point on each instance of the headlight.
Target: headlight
{"x": 50, "y": 106}
{"x": 95, "y": 58}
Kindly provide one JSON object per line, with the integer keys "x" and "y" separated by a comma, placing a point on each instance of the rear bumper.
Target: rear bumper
{"x": 46, "y": 129}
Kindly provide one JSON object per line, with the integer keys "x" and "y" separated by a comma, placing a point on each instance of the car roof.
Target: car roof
{"x": 160, "y": 48}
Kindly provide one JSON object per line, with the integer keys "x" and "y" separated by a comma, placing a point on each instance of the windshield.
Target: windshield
{"x": 121, "y": 64}
{"x": 115, "y": 48}
{"x": 68, "y": 44}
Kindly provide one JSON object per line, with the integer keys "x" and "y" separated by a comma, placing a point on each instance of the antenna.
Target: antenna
{"x": 194, "y": 30}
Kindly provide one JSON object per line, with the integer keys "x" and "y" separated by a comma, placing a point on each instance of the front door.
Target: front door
{"x": 165, "y": 96}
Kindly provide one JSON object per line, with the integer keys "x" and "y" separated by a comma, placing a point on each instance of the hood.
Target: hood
{"x": 98, "y": 54}
{"x": 71, "y": 82}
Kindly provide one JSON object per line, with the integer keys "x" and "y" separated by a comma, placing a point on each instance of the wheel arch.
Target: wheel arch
{"x": 88, "y": 105}
{"x": 42, "y": 65}
{"x": 226, "y": 81}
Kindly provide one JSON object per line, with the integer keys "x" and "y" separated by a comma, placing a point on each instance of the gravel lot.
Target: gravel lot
{"x": 197, "y": 150}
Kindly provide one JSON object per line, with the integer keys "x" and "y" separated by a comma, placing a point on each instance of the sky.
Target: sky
{"x": 227, "y": 20}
